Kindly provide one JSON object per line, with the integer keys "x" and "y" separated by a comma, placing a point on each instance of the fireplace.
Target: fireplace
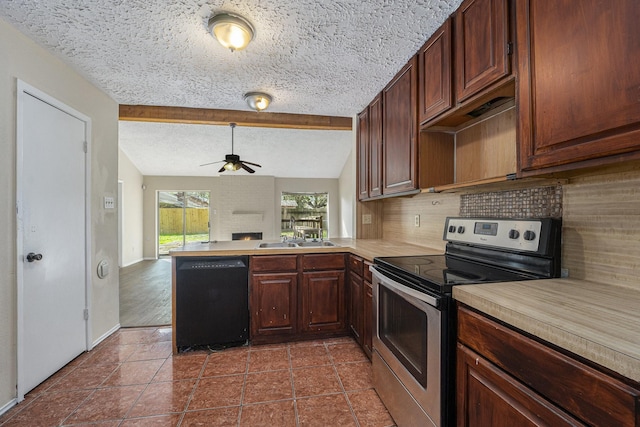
{"x": 247, "y": 236}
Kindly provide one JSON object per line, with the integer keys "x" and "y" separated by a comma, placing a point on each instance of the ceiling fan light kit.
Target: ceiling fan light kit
{"x": 232, "y": 161}
{"x": 232, "y": 31}
{"x": 258, "y": 100}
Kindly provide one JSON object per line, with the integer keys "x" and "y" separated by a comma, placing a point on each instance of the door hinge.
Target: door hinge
{"x": 85, "y": 314}
{"x": 84, "y": 146}
{"x": 510, "y": 48}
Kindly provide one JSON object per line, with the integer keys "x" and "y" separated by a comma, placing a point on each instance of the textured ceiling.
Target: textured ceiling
{"x": 313, "y": 56}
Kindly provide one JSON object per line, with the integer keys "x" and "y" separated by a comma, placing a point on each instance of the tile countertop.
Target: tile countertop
{"x": 596, "y": 321}
{"x": 366, "y": 248}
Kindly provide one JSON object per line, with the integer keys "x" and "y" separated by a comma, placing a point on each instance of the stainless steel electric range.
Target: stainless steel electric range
{"x": 414, "y": 319}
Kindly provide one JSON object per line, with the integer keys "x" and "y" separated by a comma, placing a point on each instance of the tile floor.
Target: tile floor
{"x": 131, "y": 379}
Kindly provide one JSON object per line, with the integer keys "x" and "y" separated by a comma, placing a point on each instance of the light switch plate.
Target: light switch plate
{"x": 366, "y": 219}
{"x": 109, "y": 203}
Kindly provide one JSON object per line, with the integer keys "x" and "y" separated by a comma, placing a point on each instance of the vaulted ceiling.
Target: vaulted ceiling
{"x": 314, "y": 57}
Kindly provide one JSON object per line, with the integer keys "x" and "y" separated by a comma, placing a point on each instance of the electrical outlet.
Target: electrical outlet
{"x": 109, "y": 203}
{"x": 366, "y": 219}
{"x": 564, "y": 272}
{"x": 416, "y": 220}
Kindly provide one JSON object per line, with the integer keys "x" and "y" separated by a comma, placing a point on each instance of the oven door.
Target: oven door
{"x": 407, "y": 351}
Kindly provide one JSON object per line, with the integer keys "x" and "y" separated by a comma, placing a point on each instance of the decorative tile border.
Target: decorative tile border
{"x": 540, "y": 202}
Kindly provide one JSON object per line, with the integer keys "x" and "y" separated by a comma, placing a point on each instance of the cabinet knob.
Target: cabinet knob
{"x": 273, "y": 308}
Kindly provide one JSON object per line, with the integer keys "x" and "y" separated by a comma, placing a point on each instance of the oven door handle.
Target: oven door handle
{"x": 422, "y": 296}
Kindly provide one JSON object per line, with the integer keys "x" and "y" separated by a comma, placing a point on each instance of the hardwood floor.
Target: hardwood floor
{"x": 145, "y": 293}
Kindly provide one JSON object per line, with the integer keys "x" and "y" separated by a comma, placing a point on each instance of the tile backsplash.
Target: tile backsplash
{"x": 538, "y": 202}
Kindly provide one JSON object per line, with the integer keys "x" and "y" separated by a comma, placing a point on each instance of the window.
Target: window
{"x": 183, "y": 217}
{"x": 304, "y": 215}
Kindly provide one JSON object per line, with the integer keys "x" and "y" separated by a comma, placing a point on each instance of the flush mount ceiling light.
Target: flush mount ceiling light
{"x": 232, "y": 31}
{"x": 257, "y": 100}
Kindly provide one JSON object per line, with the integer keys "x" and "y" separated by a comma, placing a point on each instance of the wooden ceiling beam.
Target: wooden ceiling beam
{"x": 204, "y": 116}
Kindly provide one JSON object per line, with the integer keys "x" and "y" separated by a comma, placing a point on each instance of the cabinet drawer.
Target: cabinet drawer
{"x": 367, "y": 273}
{"x": 356, "y": 264}
{"x": 323, "y": 262}
{"x": 274, "y": 263}
{"x": 591, "y": 395}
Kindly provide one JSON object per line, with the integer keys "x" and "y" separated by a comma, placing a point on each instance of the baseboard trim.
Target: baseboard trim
{"x": 106, "y": 335}
{"x": 133, "y": 262}
{"x": 8, "y": 405}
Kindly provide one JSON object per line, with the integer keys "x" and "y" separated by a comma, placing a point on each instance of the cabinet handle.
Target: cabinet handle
{"x": 477, "y": 361}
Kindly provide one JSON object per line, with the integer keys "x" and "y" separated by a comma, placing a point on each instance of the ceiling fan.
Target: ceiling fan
{"x": 232, "y": 161}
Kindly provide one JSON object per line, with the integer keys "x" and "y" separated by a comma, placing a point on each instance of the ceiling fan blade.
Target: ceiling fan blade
{"x": 252, "y": 164}
{"x": 212, "y": 163}
{"x": 247, "y": 168}
{"x": 222, "y": 169}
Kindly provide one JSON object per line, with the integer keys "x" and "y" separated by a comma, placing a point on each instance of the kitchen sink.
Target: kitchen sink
{"x": 297, "y": 244}
{"x": 277, "y": 245}
{"x": 316, "y": 243}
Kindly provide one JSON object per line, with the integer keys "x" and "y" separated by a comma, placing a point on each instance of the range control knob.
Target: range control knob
{"x": 529, "y": 235}
{"x": 514, "y": 234}
{"x": 460, "y": 229}
{"x": 452, "y": 229}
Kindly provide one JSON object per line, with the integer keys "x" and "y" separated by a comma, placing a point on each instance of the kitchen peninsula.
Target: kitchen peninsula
{"x": 301, "y": 292}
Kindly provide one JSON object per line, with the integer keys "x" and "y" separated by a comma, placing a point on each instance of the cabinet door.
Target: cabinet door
{"x": 375, "y": 147}
{"x": 481, "y": 45}
{"x": 356, "y": 306}
{"x": 400, "y": 131}
{"x": 363, "y": 155}
{"x": 367, "y": 319}
{"x": 434, "y": 84}
{"x": 273, "y": 304}
{"x": 323, "y": 307}
{"x": 487, "y": 396}
{"x": 579, "y": 86}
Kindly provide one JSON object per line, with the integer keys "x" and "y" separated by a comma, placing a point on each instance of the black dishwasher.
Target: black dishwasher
{"x": 212, "y": 301}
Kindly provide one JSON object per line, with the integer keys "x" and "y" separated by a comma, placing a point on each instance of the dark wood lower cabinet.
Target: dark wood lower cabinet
{"x": 367, "y": 321}
{"x": 322, "y": 297}
{"x": 355, "y": 306}
{"x": 505, "y": 378}
{"x": 274, "y": 304}
{"x": 295, "y": 297}
{"x": 487, "y": 396}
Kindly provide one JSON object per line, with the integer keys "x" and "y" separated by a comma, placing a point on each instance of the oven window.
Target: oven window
{"x": 403, "y": 329}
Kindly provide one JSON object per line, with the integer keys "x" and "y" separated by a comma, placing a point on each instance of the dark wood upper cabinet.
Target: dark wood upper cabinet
{"x": 435, "y": 94}
{"x": 375, "y": 147}
{"x": 481, "y": 45}
{"x": 400, "y": 131}
{"x": 579, "y": 89}
{"x": 363, "y": 155}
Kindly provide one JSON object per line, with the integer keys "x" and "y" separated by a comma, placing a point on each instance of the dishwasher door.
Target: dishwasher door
{"x": 212, "y": 301}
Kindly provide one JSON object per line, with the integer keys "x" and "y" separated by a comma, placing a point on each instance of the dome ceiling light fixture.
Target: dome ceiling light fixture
{"x": 258, "y": 100}
{"x": 232, "y": 31}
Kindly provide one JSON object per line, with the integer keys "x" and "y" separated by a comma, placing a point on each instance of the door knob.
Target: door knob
{"x": 33, "y": 257}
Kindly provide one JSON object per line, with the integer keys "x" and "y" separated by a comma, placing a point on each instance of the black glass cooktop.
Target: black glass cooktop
{"x": 440, "y": 272}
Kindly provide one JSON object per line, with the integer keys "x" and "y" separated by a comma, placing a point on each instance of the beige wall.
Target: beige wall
{"x": 132, "y": 210}
{"x": 22, "y": 59}
{"x": 347, "y": 191}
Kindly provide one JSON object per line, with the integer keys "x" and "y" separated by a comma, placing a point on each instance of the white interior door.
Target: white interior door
{"x": 51, "y": 216}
